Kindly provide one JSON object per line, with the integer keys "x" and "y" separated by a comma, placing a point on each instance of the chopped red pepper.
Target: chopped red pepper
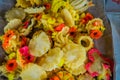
{"x": 55, "y": 78}
{"x": 83, "y": 21}
{"x": 5, "y": 44}
{"x": 8, "y": 35}
{"x": 87, "y": 17}
{"x": 23, "y": 41}
{"x": 49, "y": 32}
{"x": 11, "y": 65}
{"x": 38, "y": 16}
{"x": 95, "y": 34}
{"x": 29, "y": 58}
{"x": 59, "y": 27}
{"x": 25, "y": 24}
{"x": 72, "y": 29}
{"x": 47, "y": 5}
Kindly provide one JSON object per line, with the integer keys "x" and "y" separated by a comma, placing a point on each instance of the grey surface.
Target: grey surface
{"x": 5, "y": 5}
{"x": 115, "y": 23}
{"x": 108, "y": 44}
{"x": 111, "y": 6}
{"x": 112, "y": 11}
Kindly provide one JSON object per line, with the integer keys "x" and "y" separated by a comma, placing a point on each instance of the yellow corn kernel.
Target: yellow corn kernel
{"x": 51, "y": 20}
{"x": 11, "y": 55}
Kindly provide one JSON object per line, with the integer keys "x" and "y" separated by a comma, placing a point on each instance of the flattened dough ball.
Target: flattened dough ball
{"x": 39, "y": 44}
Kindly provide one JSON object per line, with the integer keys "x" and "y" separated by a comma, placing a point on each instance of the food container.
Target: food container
{"x": 108, "y": 44}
